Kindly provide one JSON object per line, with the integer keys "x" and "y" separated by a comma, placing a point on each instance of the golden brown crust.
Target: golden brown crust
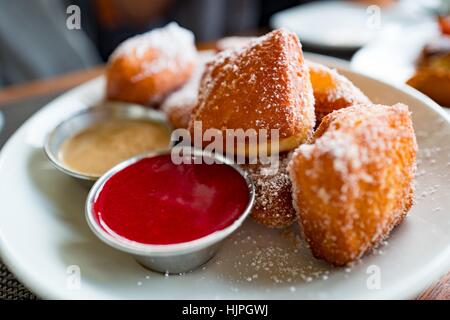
{"x": 432, "y": 76}
{"x": 145, "y": 68}
{"x": 434, "y": 82}
{"x": 264, "y": 85}
{"x": 332, "y": 91}
{"x": 354, "y": 184}
{"x": 273, "y": 202}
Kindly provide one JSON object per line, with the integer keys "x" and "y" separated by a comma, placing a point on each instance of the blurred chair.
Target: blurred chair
{"x": 35, "y": 42}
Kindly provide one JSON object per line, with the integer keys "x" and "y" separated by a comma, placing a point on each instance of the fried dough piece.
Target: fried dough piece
{"x": 432, "y": 76}
{"x": 179, "y": 105}
{"x": 146, "y": 68}
{"x": 354, "y": 183}
{"x": 273, "y": 196}
{"x": 434, "y": 82}
{"x": 264, "y": 85}
{"x": 332, "y": 91}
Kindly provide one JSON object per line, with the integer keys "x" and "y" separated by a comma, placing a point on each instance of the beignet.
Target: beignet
{"x": 354, "y": 183}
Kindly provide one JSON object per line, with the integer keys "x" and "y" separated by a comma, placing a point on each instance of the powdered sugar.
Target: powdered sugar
{"x": 279, "y": 258}
{"x": 332, "y": 91}
{"x": 264, "y": 84}
{"x": 273, "y": 204}
{"x": 358, "y": 172}
{"x": 180, "y": 103}
{"x": 175, "y": 47}
{"x": 233, "y": 42}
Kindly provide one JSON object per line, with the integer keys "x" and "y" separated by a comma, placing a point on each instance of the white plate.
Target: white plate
{"x": 344, "y": 25}
{"x": 393, "y": 58}
{"x": 44, "y": 234}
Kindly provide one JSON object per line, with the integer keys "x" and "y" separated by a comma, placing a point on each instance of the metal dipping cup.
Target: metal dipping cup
{"x": 87, "y": 117}
{"x": 168, "y": 258}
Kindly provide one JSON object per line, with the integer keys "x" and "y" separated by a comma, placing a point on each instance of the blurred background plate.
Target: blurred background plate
{"x": 346, "y": 25}
{"x": 393, "y": 58}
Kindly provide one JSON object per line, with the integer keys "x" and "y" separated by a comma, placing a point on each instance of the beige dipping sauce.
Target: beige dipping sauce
{"x": 100, "y": 147}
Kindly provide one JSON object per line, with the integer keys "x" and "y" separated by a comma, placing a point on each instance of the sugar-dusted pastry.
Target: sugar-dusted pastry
{"x": 273, "y": 196}
{"x": 354, "y": 183}
{"x": 233, "y": 42}
{"x": 433, "y": 82}
{"x": 147, "y": 67}
{"x": 264, "y": 85}
{"x": 178, "y": 105}
{"x": 433, "y": 74}
{"x": 332, "y": 91}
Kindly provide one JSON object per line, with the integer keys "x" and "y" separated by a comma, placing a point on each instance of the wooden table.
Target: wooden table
{"x": 439, "y": 290}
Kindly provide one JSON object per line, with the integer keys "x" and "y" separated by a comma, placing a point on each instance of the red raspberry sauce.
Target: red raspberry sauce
{"x": 154, "y": 201}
